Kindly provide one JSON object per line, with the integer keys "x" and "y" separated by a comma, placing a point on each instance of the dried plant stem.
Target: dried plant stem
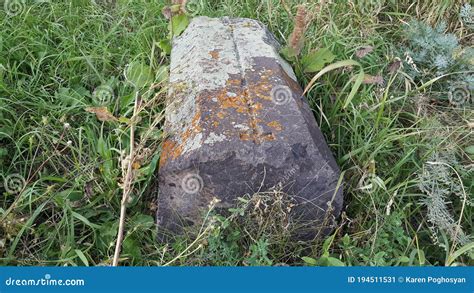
{"x": 182, "y": 253}
{"x": 458, "y": 227}
{"x": 205, "y": 228}
{"x": 296, "y": 38}
{"x": 126, "y": 185}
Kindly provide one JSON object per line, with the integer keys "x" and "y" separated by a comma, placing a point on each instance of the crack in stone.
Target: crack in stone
{"x": 253, "y": 124}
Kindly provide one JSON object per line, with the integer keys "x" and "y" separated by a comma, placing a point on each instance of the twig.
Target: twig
{"x": 126, "y": 185}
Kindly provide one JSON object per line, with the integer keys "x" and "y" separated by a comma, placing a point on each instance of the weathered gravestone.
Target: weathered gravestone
{"x": 236, "y": 123}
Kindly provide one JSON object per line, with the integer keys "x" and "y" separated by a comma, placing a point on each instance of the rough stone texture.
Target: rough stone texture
{"x": 236, "y": 124}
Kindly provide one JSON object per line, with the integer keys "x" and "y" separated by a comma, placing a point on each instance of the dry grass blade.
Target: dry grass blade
{"x": 127, "y": 185}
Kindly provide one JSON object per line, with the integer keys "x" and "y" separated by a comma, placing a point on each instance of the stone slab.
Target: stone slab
{"x": 236, "y": 124}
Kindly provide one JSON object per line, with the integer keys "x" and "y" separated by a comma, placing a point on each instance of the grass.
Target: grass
{"x": 59, "y": 57}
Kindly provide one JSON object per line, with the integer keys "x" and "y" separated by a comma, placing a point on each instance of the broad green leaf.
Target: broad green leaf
{"x": 179, "y": 23}
{"x": 175, "y": 8}
{"x": 84, "y": 220}
{"x": 162, "y": 74}
{"x": 124, "y": 120}
{"x": 145, "y": 221}
{"x": 346, "y": 240}
{"x": 309, "y": 260}
{"x": 466, "y": 248}
{"x": 3, "y": 152}
{"x": 102, "y": 148}
{"x": 421, "y": 257}
{"x": 83, "y": 258}
{"x": 139, "y": 74}
{"x": 404, "y": 259}
{"x": 470, "y": 150}
{"x": 126, "y": 101}
{"x": 334, "y": 262}
{"x": 327, "y": 244}
{"x": 355, "y": 87}
{"x": 71, "y": 194}
{"x": 165, "y": 46}
{"x": 316, "y": 60}
{"x": 288, "y": 53}
{"x": 132, "y": 248}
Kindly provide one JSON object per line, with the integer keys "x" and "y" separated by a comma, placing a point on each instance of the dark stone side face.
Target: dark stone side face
{"x": 237, "y": 124}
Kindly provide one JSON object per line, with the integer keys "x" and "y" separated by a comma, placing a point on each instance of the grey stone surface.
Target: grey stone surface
{"x": 236, "y": 124}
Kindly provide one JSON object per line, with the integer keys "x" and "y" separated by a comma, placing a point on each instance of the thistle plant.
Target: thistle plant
{"x": 430, "y": 53}
{"x": 440, "y": 186}
{"x": 467, "y": 15}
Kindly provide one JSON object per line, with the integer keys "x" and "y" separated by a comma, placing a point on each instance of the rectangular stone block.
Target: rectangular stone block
{"x": 236, "y": 124}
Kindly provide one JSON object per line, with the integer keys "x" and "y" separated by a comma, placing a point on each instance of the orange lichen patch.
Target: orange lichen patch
{"x": 169, "y": 150}
{"x": 267, "y": 137}
{"x": 275, "y": 125}
{"x": 193, "y": 129}
{"x": 245, "y": 99}
{"x": 256, "y": 137}
{"x": 234, "y": 82}
{"x": 173, "y": 150}
{"x": 242, "y": 100}
{"x": 254, "y": 124}
{"x": 239, "y": 102}
{"x": 263, "y": 87}
{"x": 195, "y": 122}
{"x": 186, "y": 134}
{"x": 214, "y": 54}
{"x": 246, "y": 136}
{"x": 257, "y": 106}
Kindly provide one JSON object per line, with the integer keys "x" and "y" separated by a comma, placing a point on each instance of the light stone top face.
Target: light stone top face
{"x": 227, "y": 48}
{"x": 236, "y": 118}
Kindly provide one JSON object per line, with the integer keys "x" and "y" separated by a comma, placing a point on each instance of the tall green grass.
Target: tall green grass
{"x": 56, "y": 55}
